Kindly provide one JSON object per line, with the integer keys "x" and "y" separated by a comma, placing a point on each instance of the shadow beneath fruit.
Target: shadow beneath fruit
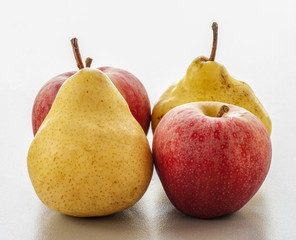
{"x": 250, "y": 222}
{"x": 128, "y": 224}
{"x": 154, "y": 217}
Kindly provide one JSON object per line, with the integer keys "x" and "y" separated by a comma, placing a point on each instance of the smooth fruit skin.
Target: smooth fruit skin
{"x": 133, "y": 92}
{"x": 90, "y": 157}
{"x": 209, "y": 81}
{"x": 210, "y": 166}
{"x": 128, "y": 85}
{"x": 45, "y": 98}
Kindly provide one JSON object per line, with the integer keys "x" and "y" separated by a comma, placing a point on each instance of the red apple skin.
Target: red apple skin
{"x": 127, "y": 84}
{"x": 133, "y": 92}
{"x": 210, "y": 166}
{"x": 45, "y": 98}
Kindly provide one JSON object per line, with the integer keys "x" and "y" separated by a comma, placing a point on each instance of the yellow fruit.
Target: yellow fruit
{"x": 207, "y": 80}
{"x": 90, "y": 157}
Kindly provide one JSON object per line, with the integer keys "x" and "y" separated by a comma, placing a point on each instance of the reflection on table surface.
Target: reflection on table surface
{"x": 154, "y": 217}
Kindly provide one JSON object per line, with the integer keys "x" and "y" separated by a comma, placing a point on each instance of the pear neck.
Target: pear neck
{"x": 195, "y": 66}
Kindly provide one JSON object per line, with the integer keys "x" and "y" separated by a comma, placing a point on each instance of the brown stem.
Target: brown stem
{"x": 76, "y": 52}
{"x": 88, "y": 62}
{"x": 223, "y": 109}
{"x": 215, "y": 39}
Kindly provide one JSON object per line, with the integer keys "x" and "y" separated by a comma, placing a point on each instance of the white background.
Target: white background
{"x": 156, "y": 41}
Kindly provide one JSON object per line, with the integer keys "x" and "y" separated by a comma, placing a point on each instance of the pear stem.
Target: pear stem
{"x": 76, "y": 52}
{"x": 215, "y": 39}
{"x": 223, "y": 109}
{"x": 88, "y": 62}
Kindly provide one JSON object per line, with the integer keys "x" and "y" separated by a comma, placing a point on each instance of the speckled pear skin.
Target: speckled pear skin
{"x": 90, "y": 157}
{"x": 209, "y": 81}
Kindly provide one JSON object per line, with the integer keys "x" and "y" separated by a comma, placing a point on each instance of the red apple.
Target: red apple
{"x": 211, "y": 162}
{"x": 133, "y": 92}
{"x": 45, "y": 98}
{"x": 128, "y": 85}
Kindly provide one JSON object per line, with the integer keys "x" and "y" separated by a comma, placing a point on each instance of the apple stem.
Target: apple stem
{"x": 223, "y": 109}
{"x": 88, "y": 62}
{"x": 215, "y": 39}
{"x": 76, "y": 52}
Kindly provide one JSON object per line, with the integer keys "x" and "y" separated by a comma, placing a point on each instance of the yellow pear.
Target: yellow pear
{"x": 207, "y": 80}
{"x": 90, "y": 156}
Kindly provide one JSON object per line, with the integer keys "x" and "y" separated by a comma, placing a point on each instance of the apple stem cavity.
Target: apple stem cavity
{"x": 215, "y": 39}
{"x": 76, "y": 52}
{"x": 224, "y": 109}
{"x": 88, "y": 62}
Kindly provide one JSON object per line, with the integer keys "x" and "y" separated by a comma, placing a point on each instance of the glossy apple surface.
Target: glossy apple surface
{"x": 128, "y": 85}
{"x": 211, "y": 166}
{"x": 133, "y": 92}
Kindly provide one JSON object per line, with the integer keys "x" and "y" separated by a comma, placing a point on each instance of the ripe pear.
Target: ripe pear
{"x": 207, "y": 80}
{"x": 90, "y": 157}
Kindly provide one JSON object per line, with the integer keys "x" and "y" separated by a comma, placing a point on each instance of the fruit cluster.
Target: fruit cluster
{"x": 90, "y": 155}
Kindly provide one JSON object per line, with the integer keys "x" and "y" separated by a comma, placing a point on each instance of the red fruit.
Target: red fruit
{"x": 211, "y": 164}
{"x": 128, "y": 85}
